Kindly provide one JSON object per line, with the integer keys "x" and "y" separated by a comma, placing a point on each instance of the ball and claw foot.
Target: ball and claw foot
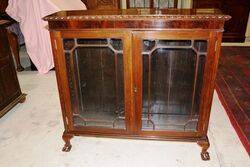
{"x": 67, "y": 147}
{"x": 205, "y": 156}
{"x": 204, "y": 144}
{"x": 66, "y": 137}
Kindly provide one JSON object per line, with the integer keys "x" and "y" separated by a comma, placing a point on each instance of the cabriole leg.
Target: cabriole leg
{"x": 67, "y": 146}
{"x": 204, "y": 144}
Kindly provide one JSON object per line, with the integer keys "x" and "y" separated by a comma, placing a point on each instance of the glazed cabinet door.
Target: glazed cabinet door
{"x": 98, "y": 73}
{"x": 169, "y": 70}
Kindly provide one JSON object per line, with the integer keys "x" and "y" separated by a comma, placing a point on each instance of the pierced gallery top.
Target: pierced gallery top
{"x": 139, "y": 18}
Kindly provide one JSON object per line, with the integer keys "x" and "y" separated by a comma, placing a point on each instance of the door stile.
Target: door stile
{"x": 209, "y": 80}
{"x": 128, "y": 83}
{"x": 62, "y": 79}
{"x": 137, "y": 64}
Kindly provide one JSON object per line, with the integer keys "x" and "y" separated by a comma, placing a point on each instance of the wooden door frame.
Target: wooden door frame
{"x": 208, "y": 78}
{"x": 63, "y": 80}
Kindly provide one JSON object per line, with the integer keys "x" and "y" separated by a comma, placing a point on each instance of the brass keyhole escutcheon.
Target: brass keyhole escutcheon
{"x": 135, "y": 89}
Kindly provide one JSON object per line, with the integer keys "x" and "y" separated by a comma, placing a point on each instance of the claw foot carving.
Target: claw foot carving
{"x": 205, "y": 156}
{"x": 67, "y": 146}
{"x": 204, "y": 144}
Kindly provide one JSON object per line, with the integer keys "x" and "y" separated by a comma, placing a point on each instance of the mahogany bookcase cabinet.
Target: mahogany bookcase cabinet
{"x": 137, "y": 73}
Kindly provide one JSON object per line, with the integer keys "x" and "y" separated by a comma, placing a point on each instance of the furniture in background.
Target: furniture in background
{"x": 37, "y": 40}
{"x": 137, "y": 74}
{"x": 3, "y": 6}
{"x": 235, "y": 29}
{"x": 13, "y": 38}
{"x": 152, "y": 4}
{"x": 10, "y": 92}
{"x": 102, "y": 4}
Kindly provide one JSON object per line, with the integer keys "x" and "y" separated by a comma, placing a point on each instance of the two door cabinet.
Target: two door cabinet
{"x": 137, "y": 73}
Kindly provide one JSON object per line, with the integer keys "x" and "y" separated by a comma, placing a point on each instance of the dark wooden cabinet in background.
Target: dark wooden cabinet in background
{"x": 3, "y": 5}
{"x": 137, "y": 73}
{"x": 10, "y": 92}
{"x": 235, "y": 28}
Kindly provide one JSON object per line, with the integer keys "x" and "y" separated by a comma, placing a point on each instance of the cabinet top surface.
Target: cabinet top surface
{"x": 139, "y": 14}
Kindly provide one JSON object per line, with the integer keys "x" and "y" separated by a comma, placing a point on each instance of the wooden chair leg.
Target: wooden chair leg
{"x": 13, "y": 40}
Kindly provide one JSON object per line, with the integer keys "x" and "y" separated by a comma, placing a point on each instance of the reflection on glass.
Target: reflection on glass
{"x": 156, "y": 3}
{"x": 139, "y": 3}
{"x": 172, "y": 80}
{"x": 95, "y": 71}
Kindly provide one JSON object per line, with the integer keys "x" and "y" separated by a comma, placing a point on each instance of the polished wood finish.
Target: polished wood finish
{"x": 170, "y": 50}
{"x": 10, "y": 92}
{"x": 235, "y": 28}
{"x": 102, "y": 4}
{"x": 139, "y": 18}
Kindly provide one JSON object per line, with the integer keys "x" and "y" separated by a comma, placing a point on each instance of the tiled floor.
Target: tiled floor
{"x": 30, "y": 135}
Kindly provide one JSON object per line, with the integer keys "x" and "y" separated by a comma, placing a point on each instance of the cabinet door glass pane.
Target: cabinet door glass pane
{"x": 172, "y": 83}
{"x": 95, "y": 72}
